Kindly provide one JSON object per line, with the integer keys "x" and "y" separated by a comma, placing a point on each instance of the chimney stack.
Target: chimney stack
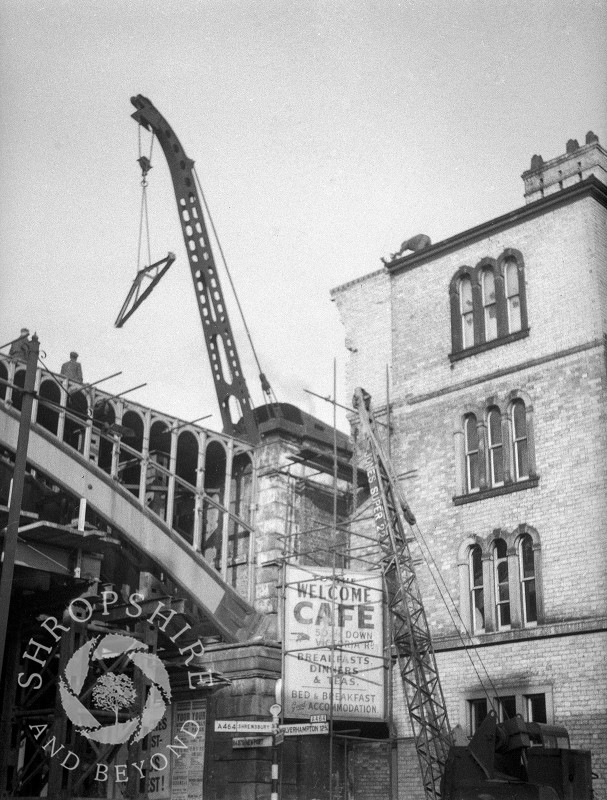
{"x": 577, "y": 163}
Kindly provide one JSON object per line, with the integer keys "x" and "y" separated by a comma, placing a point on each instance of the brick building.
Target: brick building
{"x": 496, "y": 340}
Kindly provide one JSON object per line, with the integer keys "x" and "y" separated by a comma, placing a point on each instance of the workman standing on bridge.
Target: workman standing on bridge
{"x": 20, "y": 347}
{"x": 72, "y": 369}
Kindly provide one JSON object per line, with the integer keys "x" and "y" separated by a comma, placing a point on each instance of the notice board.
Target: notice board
{"x": 333, "y": 641}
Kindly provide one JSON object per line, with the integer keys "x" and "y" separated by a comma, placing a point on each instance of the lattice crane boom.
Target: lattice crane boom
{"x": 230, "y": 385}
{"x": 411, "y": 633}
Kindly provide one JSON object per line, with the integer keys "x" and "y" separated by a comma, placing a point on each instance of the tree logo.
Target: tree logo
{"x": 113, "y": 692}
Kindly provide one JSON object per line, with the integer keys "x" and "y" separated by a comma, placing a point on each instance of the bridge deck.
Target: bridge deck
{"x": 234, "y": 618}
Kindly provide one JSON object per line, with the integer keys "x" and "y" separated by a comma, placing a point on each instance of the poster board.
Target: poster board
{"x": 181, "y": 775}
{"x": 333, "y": 634}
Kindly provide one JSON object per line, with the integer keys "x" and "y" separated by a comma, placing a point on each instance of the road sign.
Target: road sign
{"x": 305, "y": 729}
{"x": 255, "y": 726}
{"x": 275, "y": 709}
{"x": 318, "y": 718}
{"x": 279, "y": 738}
{"x": 241, "y": 742}
{"x": 243, "y": 726}
{"x": 225, "y": 726}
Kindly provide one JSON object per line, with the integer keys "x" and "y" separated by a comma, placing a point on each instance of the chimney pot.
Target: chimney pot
{"x": 536, "y": 162}
{"x": 572, "y": 146}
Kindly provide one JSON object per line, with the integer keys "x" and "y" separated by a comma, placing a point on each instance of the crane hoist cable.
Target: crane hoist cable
{"x": 147, "y": 276}
{"x": 265, "y": 384}
{"x": 145, "y": 162}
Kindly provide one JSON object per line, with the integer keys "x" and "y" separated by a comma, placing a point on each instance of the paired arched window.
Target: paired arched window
{"x": 500, "y": 576}
{"x": 488, "y": 304}
{"x": 496, "y": 448}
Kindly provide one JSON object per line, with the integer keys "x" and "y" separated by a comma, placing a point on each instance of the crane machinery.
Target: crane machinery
{"x": 233, "y": 395}
{"x": 512, "y": 759}
{"x": 239, "y": 418}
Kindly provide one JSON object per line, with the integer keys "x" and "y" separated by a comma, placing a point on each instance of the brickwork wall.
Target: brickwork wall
{"x": 574, "y": 667}
{"x": 563, "y": 256}
{"x": 568, "y": 508}
{"x": 293, "y": 519}
{"x": 365, "y": 309}
{"x": 564, "y": 253}
{"x": 368, "y": 775}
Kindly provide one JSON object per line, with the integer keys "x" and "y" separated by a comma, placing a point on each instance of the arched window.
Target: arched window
{"x": 472, "y": 453}
{"x": 526, "y": 561}
{"x": 496, "y": 449}
{"x": 513, "y": 298}
{"x": 502, "y": 587}
{"x": 489, "y": 304}
{"x": 477, "y": 598}
{"x": 466, "y": 312}
{"x": 48, "y": 412}
{"x": 520, "y": 445}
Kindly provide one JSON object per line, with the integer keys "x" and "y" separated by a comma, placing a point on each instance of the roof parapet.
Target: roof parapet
{"x": 577, "y": 163}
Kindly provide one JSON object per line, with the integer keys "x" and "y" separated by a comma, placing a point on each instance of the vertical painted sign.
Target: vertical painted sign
{"x": 333, "y": 640}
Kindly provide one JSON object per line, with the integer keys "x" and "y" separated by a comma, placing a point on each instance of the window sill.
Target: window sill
{"x": 496, "y": 491}
{"x": 483, "y": 346}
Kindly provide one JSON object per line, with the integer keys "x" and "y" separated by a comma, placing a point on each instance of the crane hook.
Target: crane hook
{"x": 146, "y": 165}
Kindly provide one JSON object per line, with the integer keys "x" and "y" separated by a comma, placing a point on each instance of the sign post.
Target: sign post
{"x": 275, "y": 710}
{"x": 10, "y": 534}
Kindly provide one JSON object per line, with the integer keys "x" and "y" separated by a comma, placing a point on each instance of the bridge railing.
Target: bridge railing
{"x": 199, "y": 482}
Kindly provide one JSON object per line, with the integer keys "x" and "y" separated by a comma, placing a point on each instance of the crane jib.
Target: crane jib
{"x": 231, "y": 388}
{"x": 410, "y": 630}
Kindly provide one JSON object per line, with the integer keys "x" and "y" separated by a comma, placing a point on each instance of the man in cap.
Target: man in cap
{"x": 72, "y": 369}
{"x": 20, "y": 347}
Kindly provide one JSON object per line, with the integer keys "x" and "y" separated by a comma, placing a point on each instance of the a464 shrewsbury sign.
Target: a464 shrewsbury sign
{"x": 333, "y": 635}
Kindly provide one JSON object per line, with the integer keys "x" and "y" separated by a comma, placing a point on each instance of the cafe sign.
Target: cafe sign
{"x": 333, "y": 639}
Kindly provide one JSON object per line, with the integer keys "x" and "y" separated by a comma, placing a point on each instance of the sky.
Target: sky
{"x": 324, "y": 134}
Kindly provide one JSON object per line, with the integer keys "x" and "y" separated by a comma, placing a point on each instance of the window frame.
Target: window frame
{"x": 513, "y": 440}
{"x": 494, "y": 701}
{"x": 501, "y": 561}
{"x": 519, "y": 617}
{"x": 476, "y": 589}
{"x": 492, "y": 447}
{"x": 517, "y": 440}
{"x": 522, "y": 539}
{"x": 505, "y": 335}
{"x": 489, "y": 304}
{"x": 511, "y": 262}
{"x": 469, "y": 453}
{"x": 464, "y": 314}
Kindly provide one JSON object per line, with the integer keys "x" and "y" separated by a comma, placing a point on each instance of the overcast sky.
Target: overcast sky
{"x": 324, "y": 133}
